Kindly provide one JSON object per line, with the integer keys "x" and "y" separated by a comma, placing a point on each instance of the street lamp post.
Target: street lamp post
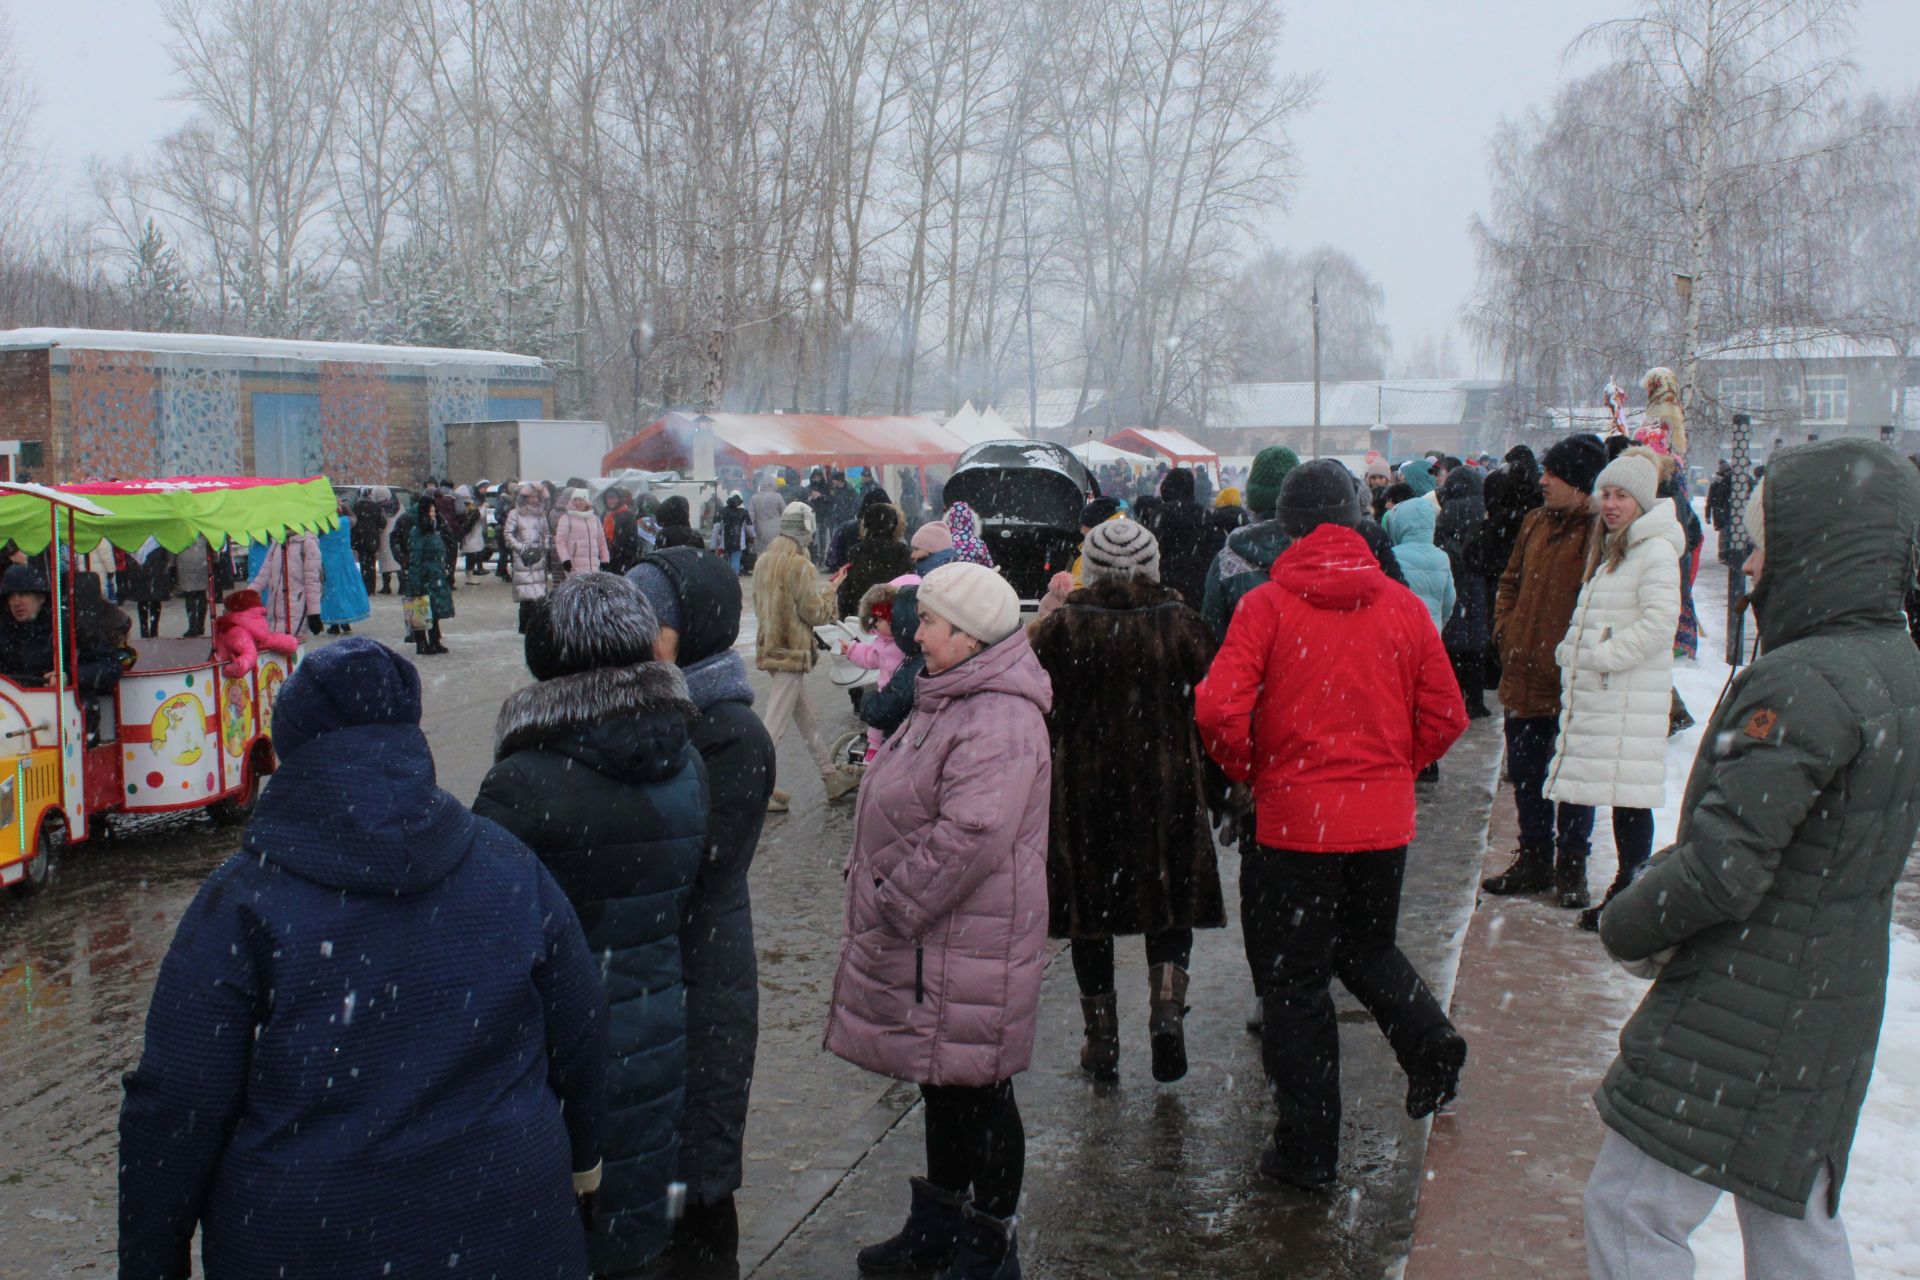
{"x": 1740, "y": 488}
{"x": 1315, "y": 304}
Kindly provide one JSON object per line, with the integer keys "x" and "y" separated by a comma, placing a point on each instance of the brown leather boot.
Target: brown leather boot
{"x": 1100, "y": 1054}
{"x": 1166, "y": 1023}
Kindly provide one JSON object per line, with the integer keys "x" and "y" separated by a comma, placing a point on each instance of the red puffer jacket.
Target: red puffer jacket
{"x": 1330, "y": 692}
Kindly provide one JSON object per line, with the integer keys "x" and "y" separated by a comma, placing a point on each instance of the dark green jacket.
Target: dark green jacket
{"x": 1746, "y": 1064}
{"x": 426, "y": 571}
{"x": 1243, "y": 564}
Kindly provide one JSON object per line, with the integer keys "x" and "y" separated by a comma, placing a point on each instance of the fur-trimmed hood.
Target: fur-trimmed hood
{"x": 627, "y": 722}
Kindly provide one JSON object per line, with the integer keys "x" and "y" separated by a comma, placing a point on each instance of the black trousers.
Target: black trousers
{"x": 1470, "y": 673}
{"x": 1093, "y": 958}
{"x": 1633, "y": 840}
{"x": 369, "y": 567}
{"x": 976, "y": 1142}
{"x": 1566, "y": 828}
{"x": 196, "y": 603}
{"x": 150, "y": 617}
{"x": 1309, "y": 918}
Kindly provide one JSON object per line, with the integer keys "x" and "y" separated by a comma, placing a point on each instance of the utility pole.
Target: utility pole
{"x": 1316, "y": 366}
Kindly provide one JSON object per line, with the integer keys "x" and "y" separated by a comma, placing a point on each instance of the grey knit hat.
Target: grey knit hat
{"x": 1119, "y": 549}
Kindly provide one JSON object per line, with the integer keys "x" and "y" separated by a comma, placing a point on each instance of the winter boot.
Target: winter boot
{"x": 706, "y": 1243}
{"x": 1530, "y": 872}
{"x": 988, "y": 1249}
{"x": 1570, "y": 880}
{"x": 1433, "y": 1077}
{"x": 386, "y": 584}
{"x": 1100, "y": 1052}
{"x": 1166, "y": 1023}
{"x": 1300, "y": 1177}
{"x": 930, "y": 1239}
{"x": 841, "y": 783}
{"x": 1590, "y": 918}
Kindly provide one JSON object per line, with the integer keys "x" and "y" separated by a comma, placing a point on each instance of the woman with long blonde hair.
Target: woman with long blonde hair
{"x": 1616, "y": 668}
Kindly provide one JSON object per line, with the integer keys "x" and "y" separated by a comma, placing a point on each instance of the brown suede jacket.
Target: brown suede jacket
{"x": 1538, "y": 591}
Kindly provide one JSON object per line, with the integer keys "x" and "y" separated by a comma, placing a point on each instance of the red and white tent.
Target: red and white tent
{"x": 1165, "y": 442}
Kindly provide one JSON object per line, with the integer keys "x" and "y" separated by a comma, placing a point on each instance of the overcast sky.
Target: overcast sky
{"x": 1392, "y": 157}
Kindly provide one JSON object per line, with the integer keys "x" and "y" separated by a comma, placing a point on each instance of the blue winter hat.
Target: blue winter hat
{"x": 350, "y": 682}
{"x": 660, "y": 592}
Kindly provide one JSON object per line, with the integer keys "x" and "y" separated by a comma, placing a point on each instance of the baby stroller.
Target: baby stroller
{"x": 1028, "y": 495}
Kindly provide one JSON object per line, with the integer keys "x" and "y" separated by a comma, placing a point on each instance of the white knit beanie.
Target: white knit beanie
{"x": 796, "y": 521}
{"x": 1757, "y": 517}
{"x": 1119, "y": 549}
{"x": 1635, "y": 475}
{"x": 974, "y": 599}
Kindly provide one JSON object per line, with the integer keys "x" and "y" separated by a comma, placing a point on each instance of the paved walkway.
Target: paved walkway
{"x": 1507, "y": 1163}
{"x": 1140, "y": 1179}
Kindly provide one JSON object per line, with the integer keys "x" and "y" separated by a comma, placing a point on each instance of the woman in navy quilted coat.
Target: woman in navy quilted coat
{"x": 596, "y": 769}
{"x": 378, "y": 1045}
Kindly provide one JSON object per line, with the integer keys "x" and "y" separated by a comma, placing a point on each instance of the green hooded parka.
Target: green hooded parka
{"x": 1747, "y": 1062}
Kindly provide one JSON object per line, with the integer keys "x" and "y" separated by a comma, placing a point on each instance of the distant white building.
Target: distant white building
{"x": 1401, "y": 416}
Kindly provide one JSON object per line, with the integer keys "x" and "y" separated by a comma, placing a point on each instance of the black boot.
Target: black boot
{"x": 386, "y": 584}
{"x": 1433, "y": 1077}
{"x": 1590, "y": 918}
{"x": 930, "y": 1238}
{"x": 989, "y": 1249}
{"x": 1570, "y": 879}
{"x": 1530, "y": 872}
{"x": 1166, "y": 1023}
{"x": 706, "y": 1243}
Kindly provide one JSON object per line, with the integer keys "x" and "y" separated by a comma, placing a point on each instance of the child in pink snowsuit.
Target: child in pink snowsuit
{"x": 880, "y": 653}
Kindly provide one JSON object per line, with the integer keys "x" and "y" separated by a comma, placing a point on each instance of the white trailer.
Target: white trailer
{"x": 526, "y": 449}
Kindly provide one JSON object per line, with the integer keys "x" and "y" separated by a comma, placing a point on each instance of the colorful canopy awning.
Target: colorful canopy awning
{"x": 173, "y": 511}
{"x": 790, "y": 440}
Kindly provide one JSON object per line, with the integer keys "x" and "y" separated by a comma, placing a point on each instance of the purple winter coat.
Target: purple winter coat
{"x": 946, "y": 927}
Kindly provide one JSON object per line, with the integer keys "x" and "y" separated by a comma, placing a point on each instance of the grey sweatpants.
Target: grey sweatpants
{"x": 1640, "y": 1214}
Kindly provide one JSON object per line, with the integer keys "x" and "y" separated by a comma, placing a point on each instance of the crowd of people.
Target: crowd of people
{"x": 1278, "y": 665}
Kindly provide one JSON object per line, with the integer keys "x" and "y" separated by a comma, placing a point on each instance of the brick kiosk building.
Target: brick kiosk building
{"x": 95, "y": 402}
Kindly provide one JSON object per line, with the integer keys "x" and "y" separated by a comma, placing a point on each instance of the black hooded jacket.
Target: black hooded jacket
{"x": 716, "y": 941}
{"x": 1187, "y": 543}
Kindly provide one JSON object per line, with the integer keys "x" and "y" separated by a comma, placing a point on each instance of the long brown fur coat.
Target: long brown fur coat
{"x": 1130, "y": 849}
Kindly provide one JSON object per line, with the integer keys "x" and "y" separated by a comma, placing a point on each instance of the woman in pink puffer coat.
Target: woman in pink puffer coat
{"x": 579, "y": 540}
{"x": 946, "y": 920}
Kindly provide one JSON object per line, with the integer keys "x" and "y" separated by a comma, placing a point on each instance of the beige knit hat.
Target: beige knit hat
{"x": 1119, "y": 549}
{"x": 974, "y": 599}
{"x": 796, "y": 521}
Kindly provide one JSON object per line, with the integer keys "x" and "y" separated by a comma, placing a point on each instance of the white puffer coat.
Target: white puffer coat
{"x": 1616, "y": 673}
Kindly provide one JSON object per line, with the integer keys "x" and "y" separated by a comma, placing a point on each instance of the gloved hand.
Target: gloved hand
{"x": 313, "y": 624}
{"x": 1648, "y": 968}
{"x": 567, "y": 565}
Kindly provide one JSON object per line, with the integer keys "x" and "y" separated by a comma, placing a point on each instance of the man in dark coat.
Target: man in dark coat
{"x": 369, "y": 518}
{"x": 676, "y": 524}
{"x": 1720, "y": 505}
{"x": 1180, "y": 527}
{"x": 1765, "y": 924}
{"x": 595, "y": 769}
{"x": 1130, "y": 849}
{"x": 1457, "y": 531}
{"x": 1532, "y": 609}
{"x": 877, "y": 556}
{"x": 378, "y": 1039}
{"x": 840, "y": 549}
{"x": 698, "y": 604}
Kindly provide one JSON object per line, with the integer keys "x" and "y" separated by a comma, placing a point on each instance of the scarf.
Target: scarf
{"x": 719, "y": 678}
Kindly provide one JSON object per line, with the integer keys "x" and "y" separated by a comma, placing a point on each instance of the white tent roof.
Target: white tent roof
{"x": 976, "y": 426}
{"x": 1096, "y": 454}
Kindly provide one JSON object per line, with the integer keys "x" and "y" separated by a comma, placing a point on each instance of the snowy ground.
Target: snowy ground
{"x": 1877, "y": 1202}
